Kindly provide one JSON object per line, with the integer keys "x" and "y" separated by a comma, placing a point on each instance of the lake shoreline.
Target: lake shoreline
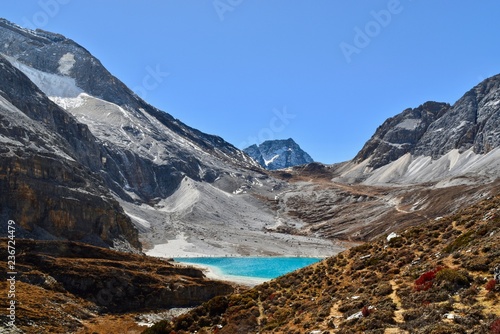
{"x": 249, "y": 271}
{"x": 214, "y": 273}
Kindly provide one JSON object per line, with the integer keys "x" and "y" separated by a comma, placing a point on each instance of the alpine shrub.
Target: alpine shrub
{"x": 490, "y": 286}
{"x": 425, "y": 281}
{"x": 495, "y": 327}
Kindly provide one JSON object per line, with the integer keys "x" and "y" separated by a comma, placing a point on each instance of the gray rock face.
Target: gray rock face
{"x": 472, "y": 122}
{"x": 48, "y": 179}
{"x": 72, "y": 135}
{"x": 278, "y": 154}
{"x": 400, "y": 134}
{"x": 433, "y": 129}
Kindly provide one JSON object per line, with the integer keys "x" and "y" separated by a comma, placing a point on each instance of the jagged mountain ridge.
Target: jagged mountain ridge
{"x": 433, "y": 129}
{"x": 64, "y": 70}
{"x": 423, "y": 163}
{"x": 278, "y": 154}
{"x": 174, "y": 182}
{"x": 434, "y": 142}
{"x": 400, "y": 134}
{"x": 71, "y": 60}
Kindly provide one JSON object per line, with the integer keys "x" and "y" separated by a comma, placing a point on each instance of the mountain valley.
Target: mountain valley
{"x": 96, "y": 178}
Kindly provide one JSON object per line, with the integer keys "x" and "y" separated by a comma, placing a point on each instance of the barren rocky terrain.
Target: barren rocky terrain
{"x": 360, "y": 212}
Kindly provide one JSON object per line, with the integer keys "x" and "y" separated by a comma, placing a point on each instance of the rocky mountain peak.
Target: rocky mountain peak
{"x": 400, "y": 134}
{"x": 151, "y": 150}
{"x": 278, "y": 154}
{"x": 434, "y": 129}
{"x": 472, "y": 123}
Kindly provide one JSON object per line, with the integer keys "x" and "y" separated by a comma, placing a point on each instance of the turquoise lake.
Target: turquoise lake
{"x": 252, "y": 267}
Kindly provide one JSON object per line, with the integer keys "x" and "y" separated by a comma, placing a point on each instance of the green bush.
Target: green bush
{"x": 452, "y": 280}
{"x": 462, "y": 241}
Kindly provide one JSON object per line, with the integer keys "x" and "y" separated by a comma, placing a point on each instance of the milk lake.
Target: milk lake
{"x": 264, "y": 268}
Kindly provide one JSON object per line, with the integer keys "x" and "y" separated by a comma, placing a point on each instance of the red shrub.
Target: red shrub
{"x": 424, "y": 282}
{"x": 490, "y": 286}
{"x": 365, "y": 311}
{"x": 495, "y": 327}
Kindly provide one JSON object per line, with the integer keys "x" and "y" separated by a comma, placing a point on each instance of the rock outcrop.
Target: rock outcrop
{"x": 49, "y": 170}
{"x": 434, "y": 129}
{"x": 116, "y": 281}
{"x": 62, "y": 285}
{"x": 400, "y": 134}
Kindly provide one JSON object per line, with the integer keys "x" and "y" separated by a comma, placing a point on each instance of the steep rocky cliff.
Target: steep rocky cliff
{"x": 400, "y": 134}
{"x": 80, "y": 115}
{"x": 48, "y": 170}
{"x": 149, "y": 151}
{"x": 472, "y": 123}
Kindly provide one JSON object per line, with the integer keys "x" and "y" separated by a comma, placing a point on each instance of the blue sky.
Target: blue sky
{"x": 324, "y": 72}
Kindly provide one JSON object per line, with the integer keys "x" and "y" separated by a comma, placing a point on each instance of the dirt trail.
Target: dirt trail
{"x": 398, "y": 314}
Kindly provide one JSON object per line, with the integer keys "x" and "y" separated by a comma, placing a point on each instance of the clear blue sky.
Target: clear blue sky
{"x": 332, "y": 70}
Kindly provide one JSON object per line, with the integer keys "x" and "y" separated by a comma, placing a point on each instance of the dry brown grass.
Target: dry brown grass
{"x": 67, "y": 287}
{"x": 111, "y": 324}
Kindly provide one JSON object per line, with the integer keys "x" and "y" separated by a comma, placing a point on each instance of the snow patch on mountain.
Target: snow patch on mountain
{"x": 409, "y": 124}
{"x": 69, "y": 102}
{"x": 52, "y": 85}
{"x": 278, "y": 154}
{"x": 268, "y": 162}
{"x": 16, "y": 119}
{"x": 66, "y": 63}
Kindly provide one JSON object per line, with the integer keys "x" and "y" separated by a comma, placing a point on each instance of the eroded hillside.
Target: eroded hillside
{"x": 68, "y": 287}
{"x": 361, "y": 212}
